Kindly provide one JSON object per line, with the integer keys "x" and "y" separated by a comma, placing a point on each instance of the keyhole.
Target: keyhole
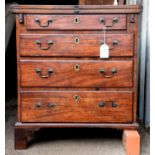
{"x": 76, "y": 98}
{"x": 76, "y": 20}
{"x": 77, "y": 67}
{"x": 76, "y": 40}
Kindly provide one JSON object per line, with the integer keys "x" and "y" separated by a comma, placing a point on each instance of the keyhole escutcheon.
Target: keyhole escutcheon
{"x": 76, "y": 98}
{"x": 76, "y": 40}
{"x": 76, "y": 20}
{"x": 77, "y": 67}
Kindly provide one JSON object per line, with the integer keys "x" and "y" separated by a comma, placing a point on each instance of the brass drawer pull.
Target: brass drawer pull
{"x": 38, "y": 105}
{"x": 103, "y": 72}
{"x": 39, "y": 72}
{"x": 114, "y": 44}
{"x": 114, "y": 105}
{"x": 51, "y": 105}
{"x": 77, "y": 67}
{"x": 76, "y": 20}
{"x": 101, "y": 104}
{"x": 39, "y": 43}
{"x": 37, "y": 20}
{"x": 76, "y": 98}
{"x": 114, "y": 21}
{"x": 110, "y": 103}
{"x": 102, "y": 20}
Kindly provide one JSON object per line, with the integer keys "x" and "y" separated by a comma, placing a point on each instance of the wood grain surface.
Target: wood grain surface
{"x": 85, "y": 109}
{"x": 70, "y": 9}
{"x": 66, "y": 44}
{"x": 67, "y": 22}
{"x": 65, "y": 75}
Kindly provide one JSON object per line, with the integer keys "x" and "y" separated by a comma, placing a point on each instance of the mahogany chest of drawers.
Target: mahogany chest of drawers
{"x": 62, "y": 81}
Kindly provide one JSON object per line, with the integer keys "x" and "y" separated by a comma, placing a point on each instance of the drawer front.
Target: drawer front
{"x": 76, "y": 73}
{"x": 76, "y": 107}
{"x": 75, "y": 22}
{"x": 75, "y": 45}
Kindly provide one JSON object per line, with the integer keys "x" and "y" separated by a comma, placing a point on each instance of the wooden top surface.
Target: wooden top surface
{"x": 71, "y": 8}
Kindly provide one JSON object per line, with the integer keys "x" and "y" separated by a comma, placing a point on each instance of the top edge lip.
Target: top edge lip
{"x": 78, "y": 6}
{"x": 15, "y": 7}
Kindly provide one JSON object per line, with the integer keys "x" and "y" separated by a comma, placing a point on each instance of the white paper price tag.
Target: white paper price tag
{"x": 115, "y": 2}
{"x": 104, "y": 51}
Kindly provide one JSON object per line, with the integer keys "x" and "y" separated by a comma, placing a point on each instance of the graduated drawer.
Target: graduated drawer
{"x": 75, "y": 22}
{"x": 76, "y": 106}
{"x": 75, "y": 45}
{"x": 76, "y": 73}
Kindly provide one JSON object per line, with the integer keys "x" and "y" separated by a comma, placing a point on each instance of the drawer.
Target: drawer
{"x": 75, "y": 45}
{"x": 76, "y": 22}
{"x": 76, "y": 73}
{"x": 76, "y": 106}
